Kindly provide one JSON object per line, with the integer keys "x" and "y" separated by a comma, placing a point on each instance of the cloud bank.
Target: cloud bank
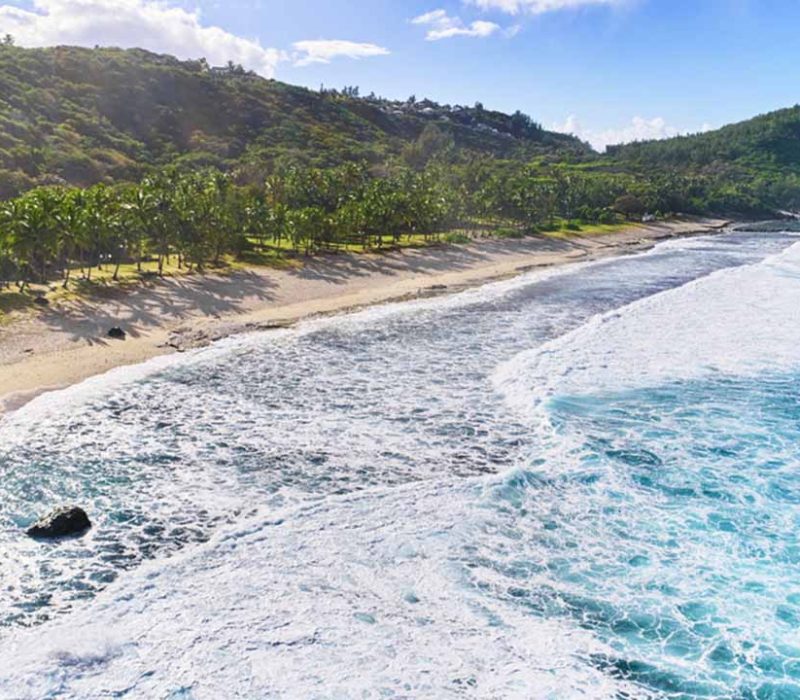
{"x": 324, "y": 51}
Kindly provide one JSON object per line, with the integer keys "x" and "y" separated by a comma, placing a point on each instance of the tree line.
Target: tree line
{"x": 195, "y": 219}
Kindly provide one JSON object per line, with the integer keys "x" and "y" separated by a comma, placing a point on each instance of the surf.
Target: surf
{"x": 477, "y": 547}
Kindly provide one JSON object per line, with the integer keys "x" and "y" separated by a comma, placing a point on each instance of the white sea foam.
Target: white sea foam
{"x": 51, "y": 403}
{"x": 376, "y": 559}
{"x": 736, "y": 321}
{"x": 354, "y": 597}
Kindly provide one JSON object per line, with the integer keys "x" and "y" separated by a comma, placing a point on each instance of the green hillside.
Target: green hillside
{"x": 112, "y": 158}
{"x": 767, "y": 142}
{"x": 81, "y": 116}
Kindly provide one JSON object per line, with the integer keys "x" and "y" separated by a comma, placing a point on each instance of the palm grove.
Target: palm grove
{"x": 196, "y": 219}
{"x": 112, "y": 157}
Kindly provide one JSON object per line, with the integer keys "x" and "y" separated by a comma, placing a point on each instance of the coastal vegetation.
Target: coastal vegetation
{"x": 79, "y": 117}
{"x": 192, "y": 220}
{"x": 112, "y": 159}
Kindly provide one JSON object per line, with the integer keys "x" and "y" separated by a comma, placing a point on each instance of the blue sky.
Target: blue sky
{"x": 609, "y": 70}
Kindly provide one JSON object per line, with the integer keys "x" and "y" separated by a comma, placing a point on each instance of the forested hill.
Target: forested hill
{"x": 83, "y": 116}
{"x": 133, "y": 157}
{"x": 770, "y": 142}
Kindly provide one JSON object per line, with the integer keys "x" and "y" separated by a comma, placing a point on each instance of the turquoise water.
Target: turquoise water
{"x": 674, "y": 537}
{"x": 580, "y": 483}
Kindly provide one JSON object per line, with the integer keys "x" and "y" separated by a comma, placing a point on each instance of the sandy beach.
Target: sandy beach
{"x": 59, "y": 346}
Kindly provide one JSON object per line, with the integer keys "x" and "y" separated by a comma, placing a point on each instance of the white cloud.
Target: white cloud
{"x": 443, "y": 26}
{"x": 537, "y": 7}
{"x": 134, "y": 23}
{"x": 161, "y": 27}
{"x": 639, "y": 129}
{"x": 324, "y": 51}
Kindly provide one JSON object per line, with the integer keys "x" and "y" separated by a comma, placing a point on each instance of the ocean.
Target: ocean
{"x": 583, "y": 482}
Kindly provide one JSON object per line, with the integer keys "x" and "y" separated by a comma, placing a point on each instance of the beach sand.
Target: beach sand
{"x": 59, "y": 346}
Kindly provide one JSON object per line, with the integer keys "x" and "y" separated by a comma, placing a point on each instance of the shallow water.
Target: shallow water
{"x": 579, "y": 483}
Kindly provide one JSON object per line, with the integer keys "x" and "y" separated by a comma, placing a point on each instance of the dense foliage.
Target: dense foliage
{"x": 110, "y": 157}
{"x": 197, "y": 218}
{"x": 767, "y": 142}
{"x": 200, "y": 217}
{"x": 751, "y": 167}
{"x": 80, "y": 116}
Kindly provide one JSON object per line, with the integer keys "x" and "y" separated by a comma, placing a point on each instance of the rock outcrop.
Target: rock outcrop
{"x": 62, "y": 522}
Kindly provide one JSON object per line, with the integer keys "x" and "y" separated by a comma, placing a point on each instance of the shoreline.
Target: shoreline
{"x": 66, "y": 345}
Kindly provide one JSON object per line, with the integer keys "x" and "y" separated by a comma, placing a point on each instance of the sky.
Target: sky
{"x": 606, "y": 70}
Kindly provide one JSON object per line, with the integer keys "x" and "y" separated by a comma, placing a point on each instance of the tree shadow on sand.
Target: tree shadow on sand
{"x": 340, "y": 268}
{"x": 215, "y": 296}
{"x": 170, "y": 299}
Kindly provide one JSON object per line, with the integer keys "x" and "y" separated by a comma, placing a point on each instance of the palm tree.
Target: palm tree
{"x": 97, "y": 222}
{"x": 139, "y": 209}
{"x": 68, "y": 220}
{"x": 34, "y": 224}
{"x": 157, "y": 213}
{"x": 7, "y": 266}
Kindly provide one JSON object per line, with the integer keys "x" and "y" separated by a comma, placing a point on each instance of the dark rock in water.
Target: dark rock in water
{"x": 62, "y": 522}
{"x": 41, "y": 301}
{"x": 117, "y": 333}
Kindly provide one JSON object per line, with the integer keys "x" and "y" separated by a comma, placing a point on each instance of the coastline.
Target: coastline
{"x": 58, "y": 347}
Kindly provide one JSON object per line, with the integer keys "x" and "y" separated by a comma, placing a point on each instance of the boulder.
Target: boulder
{"x": 41, "y": 301}
{"x": 117, "y": 333}
{"x": 62, "y": 522}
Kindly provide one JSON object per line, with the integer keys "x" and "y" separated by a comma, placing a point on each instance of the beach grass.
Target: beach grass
{"x": 564, "y": 230}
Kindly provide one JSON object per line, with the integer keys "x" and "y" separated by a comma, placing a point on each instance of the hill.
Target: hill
{"x": 136, "y": 158}
{"x": 82, "y": 116}
{"x": 769, "y": 142}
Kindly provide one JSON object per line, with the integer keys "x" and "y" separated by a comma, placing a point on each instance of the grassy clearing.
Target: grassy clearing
{"x": 272, "y": 251}
{"x": 102, "y": 283}
{"x": 566, "y": 231}
{"x": 457, "y": 238}
{"x": 276, "y": 255}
